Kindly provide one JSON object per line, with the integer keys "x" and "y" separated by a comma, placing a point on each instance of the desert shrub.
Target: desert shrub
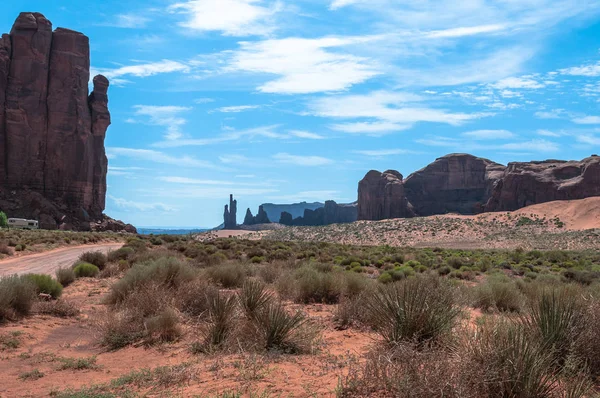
{"x": 353, "y": 284}
{"x": 280, "y": 330}
{"x": 97, "y": 258}
{"x": 85, "y": 270}
{"x": 123, "y": 253}
{"x": 257, "y": 259}
{"x": 228, "y": 275}
{"x": 20, "y": 247}
{"x": 221, "y": 316}
{"x": 165, "y": 272}
{"x": 419, "y": 309}
{"x": 163, "y": 327}
{"x": 45, "y": 284}
{"x": 65, "y": 276}
{"x": 119, "y": 329}
{"x": 253, "y": 297}
{"x": 77, "y": 363}
{"x": 59, "y": 308}
{"x": 498, "y": 293}
{"x": 192, "y": 297}
{"x": 4, "y": 249}
{"x": 17, "y": 295}
{"x": 317, "y": 287}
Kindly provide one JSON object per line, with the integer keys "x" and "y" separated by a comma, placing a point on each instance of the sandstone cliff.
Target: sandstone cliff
{"x": 260, "y": 218}
{"x": 465, "y": 184}
{"x": 52, "y": 159}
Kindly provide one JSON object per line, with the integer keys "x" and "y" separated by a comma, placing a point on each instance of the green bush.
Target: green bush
{"x": 124, "y": 253}
{"x": 221, "y": 314}
{"x": 500, "y": 293}
{"x": 253, "y": 297}
{"x": 418, "y": 309}
{"x": 98, "y": 259}
{"x": 85, "y": 270}
{"x": 228, "y": 275}
{"x": 17, "y": 295}
{"x": 279, "y": 329}
{"x": 3, "y": 220}
{"x": 65, "y": 276}
{"x": 317, "y": 287}
{"x": 45, "y": 284}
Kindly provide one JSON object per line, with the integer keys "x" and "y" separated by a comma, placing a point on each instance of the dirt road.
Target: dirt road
{"x": 48, "y": 262}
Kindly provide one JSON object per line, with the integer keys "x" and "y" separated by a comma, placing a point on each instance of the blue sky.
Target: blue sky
{"x": 284, "y": 101}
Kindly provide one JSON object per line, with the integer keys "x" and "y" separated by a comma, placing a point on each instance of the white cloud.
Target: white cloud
{"x": 141, "y": 70}
{"x": 159, "y": 157}
{"x": 587, "y": 120}
{"x": 196, "y": 181}
{"x": 303, "y": 65}
{"x": 591, "y": 70}
{"x": 517, "y": 83}
{"x": 166, "y": 116}
{"x": 236, "y": 109}
{"x": 231, "y": 17}
{"x": 335, "y": 4}
{"x": 302, "y": 160}
{"x": 535, "y": 145}
{"x": 384, "y": 152}
{"x": 129, "y": 205}
{"x": 488, "y": 135}
{"x": 305, "y": 134}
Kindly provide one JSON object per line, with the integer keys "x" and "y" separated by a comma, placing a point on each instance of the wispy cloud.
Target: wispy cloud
{"x": 587, "y": 120}
{"x": 126, "y": 204}
{"x": 489, "y": 135}
{"x": 149, "y": 155}
{"x": 237, "y": 108}
{"x": 307, "y": 196}
{"x": 384, "y": 152}
{"x": 230, "y": 17}
{"x": 588, "y": 140}
{"x": 535, "y": 145}
{"x": 590, "y": 70}
{"x": 518, "y": 83}
{"x": 165, "y": 116}
{"x": 302, "y": 160}
{"x": 227, "y": 136}
{"x": 116, "y": 75}
{"x": 305, "y": 134}
{"x": 128, "y": 21}
{"x": 552, "y": 114}
{"x": 370, "y": 128}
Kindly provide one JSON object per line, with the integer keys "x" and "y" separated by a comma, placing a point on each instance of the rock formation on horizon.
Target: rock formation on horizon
{"x": 260, "y": 218}
{"x": 465, "y": 184}
{"x": 52, "y": 159}
{"x": 230, "y": 214}
{"x": 331, "y": 213}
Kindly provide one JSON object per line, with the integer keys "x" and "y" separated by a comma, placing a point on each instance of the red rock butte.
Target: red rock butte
{"x": 53, "y": 163}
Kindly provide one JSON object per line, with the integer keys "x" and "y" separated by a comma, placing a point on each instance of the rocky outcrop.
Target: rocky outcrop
{"x": 525, "y": 184}
{"x": 230, "y": 214}
{"x": 260, "y": 218}
{"x": 274, "y": 211}
{"x": 51, "y": 132}
{"x": 465, "y": 184}
{"x": 331, "y": 213}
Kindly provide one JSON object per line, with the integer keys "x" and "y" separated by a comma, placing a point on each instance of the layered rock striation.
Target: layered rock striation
{"x": 52, "y": 129}
{"x": 465, "y": 184}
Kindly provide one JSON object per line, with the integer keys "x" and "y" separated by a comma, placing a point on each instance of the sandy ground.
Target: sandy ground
{"x": 49, "y": 262}
{"x": 44, "y": 339}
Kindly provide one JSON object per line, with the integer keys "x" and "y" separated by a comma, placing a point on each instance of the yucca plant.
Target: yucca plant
{"x": 419, "y": 309}
{"x": 221, "y": 314}
{"x": 253, "y": 297}
{"x": 512, "y": 363}
{"x": 278, "y": 327}
{"x": 556, "y": 317}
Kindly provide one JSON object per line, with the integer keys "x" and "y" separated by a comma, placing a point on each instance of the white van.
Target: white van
{"x": 22, "y": 223}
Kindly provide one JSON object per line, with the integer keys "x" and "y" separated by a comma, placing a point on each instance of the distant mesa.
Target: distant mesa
{"x": 52, "y": 159}
{"x": 260, "y": 218}
{"x": 465, "y": 184}
{"x": 331, "y": 213}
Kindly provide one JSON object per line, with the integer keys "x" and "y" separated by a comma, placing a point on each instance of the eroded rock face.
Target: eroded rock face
{"x": 260, "y": 218}
{"x": 465, "y": 184}
{"x": 51, "y": 132}
{"x": 230, "y": 214}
